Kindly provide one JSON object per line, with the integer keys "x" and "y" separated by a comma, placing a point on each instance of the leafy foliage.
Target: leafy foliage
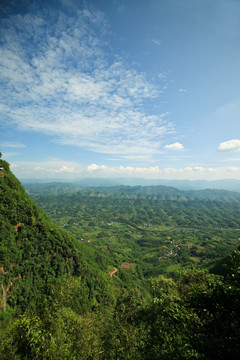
{"x": 34, "y": 252}
{"x": 61, "y": 302}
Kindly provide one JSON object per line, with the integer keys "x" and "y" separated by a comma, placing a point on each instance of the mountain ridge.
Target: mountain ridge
{"x": 168, "y": 192}
{"x": 222, "y": 184}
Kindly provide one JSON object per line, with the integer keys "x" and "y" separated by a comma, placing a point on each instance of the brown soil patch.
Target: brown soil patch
{"x": 18, "y": 226}
{"x": 126, "y": 265}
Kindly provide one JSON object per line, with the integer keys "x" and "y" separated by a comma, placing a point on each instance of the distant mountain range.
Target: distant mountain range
{"x": 224, "y": 184}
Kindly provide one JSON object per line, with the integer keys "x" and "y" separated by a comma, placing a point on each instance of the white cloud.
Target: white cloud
{"x": 162, "y": 75}
{"x": 57, "y": 80}
{"x": 141, "y": 157}
{"x": 13, "y": 166}
{"x": 230, "y": 145}
{"x": 229, "y": 160}
{"x": 149, "y": 172}
{"x": 156, "y": 172}
{"x": 156, "y": 41}
{"x": 176, "y": 146}
{"x": 47, "y": 168}
{"x": 62, "y": 169}
{"x": 8, "y": 144}
{"x": 10, "y": 154}
{"x": 94, "y": 167}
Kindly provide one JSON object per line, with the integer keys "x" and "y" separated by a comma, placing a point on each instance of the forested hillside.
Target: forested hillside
{"x": 34, "y": 252}
{"x": 62, "y": 298}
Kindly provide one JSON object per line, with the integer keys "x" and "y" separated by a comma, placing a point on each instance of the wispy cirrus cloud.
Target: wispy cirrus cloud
{"x": 8, "y": 144}
{"x": 182, "y": 90}
{"x": 156, "y": 41}
{"x": 58, "y": 80}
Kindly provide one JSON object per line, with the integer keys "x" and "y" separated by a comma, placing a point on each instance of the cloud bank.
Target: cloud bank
{"x": 54, "y": 167}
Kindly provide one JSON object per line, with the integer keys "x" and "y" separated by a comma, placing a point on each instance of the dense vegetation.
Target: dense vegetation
{"x": 58, "y": 300}
{"x": 154, "y": 230}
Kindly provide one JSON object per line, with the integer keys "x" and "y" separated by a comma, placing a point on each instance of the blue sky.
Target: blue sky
{"x": 121, "y": 88}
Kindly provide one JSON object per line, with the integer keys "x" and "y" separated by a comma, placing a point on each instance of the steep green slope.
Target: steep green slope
{"x": 35, "y": 254}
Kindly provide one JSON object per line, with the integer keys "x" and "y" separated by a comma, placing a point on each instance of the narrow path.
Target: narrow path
{"x": 113, "y": 271}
